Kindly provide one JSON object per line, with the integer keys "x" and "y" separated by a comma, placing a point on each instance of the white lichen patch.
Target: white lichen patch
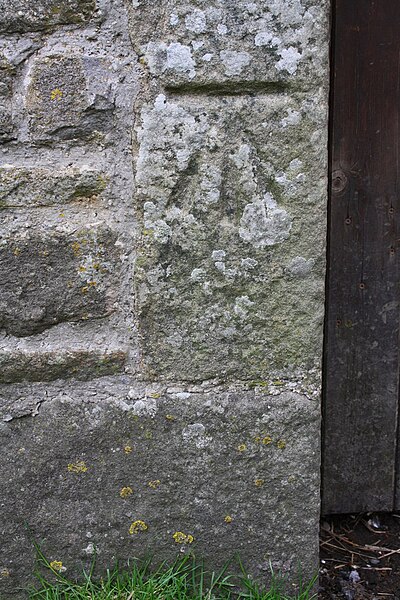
{"x": 299, "y": 266}
{"x": 293, "y": 118}
{"x": 266, "y": 38}
{"x": 289, "y": 60}
{"x": 196, "y": 21}
{"x": 196, "y": 433}
{"x": 234, "y": 62}
{"x": 263, "y": 223}
{"x": 175, "y": 57}
{"x": 242, "y": 306}
{"x": 147, "y": 407}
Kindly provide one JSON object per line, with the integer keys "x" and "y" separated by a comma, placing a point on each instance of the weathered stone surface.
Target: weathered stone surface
{"x": 20, "y": 186}
{"x": 230, "y": 279}
{"x": 209, "y": 42}
{"x": 47, "y": 280}
{"x": 7, "y": 72}
{"x": 25, "y": 15}
{"x": 42, "y": 365}
{"x": 69, "y": 97}
{"x": 191, "y": 459}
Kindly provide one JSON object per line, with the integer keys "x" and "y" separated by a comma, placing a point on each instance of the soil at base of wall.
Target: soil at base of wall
{"x": 360, "y": 557}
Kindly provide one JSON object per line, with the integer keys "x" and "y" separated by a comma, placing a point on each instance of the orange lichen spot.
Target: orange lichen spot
{"x": 154, "y": 484}
{"x": 56, "y": 565}
{"x": 137, "y": 527}
{"x": 128, "y": 449}
{"x": 183, "y": 538}
{"x": 259, "y": 482}
{"x": 126, "y": 492}
{"x": 76, "y": 248}
{"x": 56, "y": 94}
{"x": 78, "y": 467}
{"x": 228, "y": 519}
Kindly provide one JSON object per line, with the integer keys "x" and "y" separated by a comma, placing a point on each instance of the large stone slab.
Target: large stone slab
{"x": 232, "y": 196}
{"x": 237, "y": 470}
{"x": 48, "y": 279}
{"x": 25, "y": 15}
{"x": 206, "y": 43}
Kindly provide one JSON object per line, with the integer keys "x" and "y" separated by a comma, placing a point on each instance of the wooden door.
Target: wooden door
{"x": 360, "y": 415}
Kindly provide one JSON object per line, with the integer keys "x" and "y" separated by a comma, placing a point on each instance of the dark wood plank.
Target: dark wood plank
{"x": 362, "y": 330}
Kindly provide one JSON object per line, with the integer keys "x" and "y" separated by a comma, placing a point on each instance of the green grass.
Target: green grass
{"x": 185, "y": 580}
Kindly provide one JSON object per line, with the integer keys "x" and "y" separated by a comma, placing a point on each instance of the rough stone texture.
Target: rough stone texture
{"x": 230, "y": 197}
{"x": 191, "y": 459}
{"x": 69, "y": 97}
{"x": 21, "y": 187}
{"x": 25, "y": 15}
{"x": 47, "y": 281}
{"x": 161, "y": 303}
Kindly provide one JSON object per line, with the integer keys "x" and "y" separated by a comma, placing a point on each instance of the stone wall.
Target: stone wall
{"x": 163, "y": 194}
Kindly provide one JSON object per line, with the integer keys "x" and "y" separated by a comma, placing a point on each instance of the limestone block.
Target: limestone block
{"x": 7, "y": 72}
{"x": 26, "y": 15}
{"x": 236, "y": 470}
{"x": 23, "y": 186}
{"x": 69, "y": 97}
{"x": 48, "y": 365}
{"x": 231, "y": 191}
{"x": 48, "y": 279}
{"x": 212, "y": 42}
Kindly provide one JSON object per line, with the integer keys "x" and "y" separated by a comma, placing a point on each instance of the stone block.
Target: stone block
{"x": 24, "y": 15}
{"x": 48, "y": 365}
{"x": 59, "y": 277}
{"x": 231, "y": 192}
{"x": 236, "y": 470}
{"x": 207, "y": 42}
{"x": 7, "y": 73}
{"x": 69, "y": 97}
{"x": 23, "y": 186}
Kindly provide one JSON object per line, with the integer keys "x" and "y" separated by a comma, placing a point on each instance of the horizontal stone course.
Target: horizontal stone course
{"x": 46, "y": 365}
{"x": 24, "y": 186}
{"x": 191, "y": 460}
{"x": 40, "y": 15}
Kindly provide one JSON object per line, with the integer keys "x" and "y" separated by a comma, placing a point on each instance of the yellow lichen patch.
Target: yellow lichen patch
{"x": 281, "y": 444}
{"x": 76, "y": 248}
{"x": 228, "y": 519}
{"x": 183, "y": 538}
{"x": 137, "y": 527}
{"x": 155, "y": 395}
{"x": 56, "y": 94}
{"x": 148, "y": 434}
{"x": 128, "y": 449}
{"x": 170, "y": 417}
{"x": 81, "y": 268}
{"x": 17, "y": 251}
{"x": 5, "y": 573}
{"x": 242, "y": 447}
{"x": 78, "y": 467}
{"x": 259, "y": 482}
{"x": 267, "y": 440}
{"x": 154, "y": 484}
{"x": 61, "y": 215}
{"x": 56, "y": 565}
{"x": 257, "y": 439}
{"x": 126, "y": 492}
